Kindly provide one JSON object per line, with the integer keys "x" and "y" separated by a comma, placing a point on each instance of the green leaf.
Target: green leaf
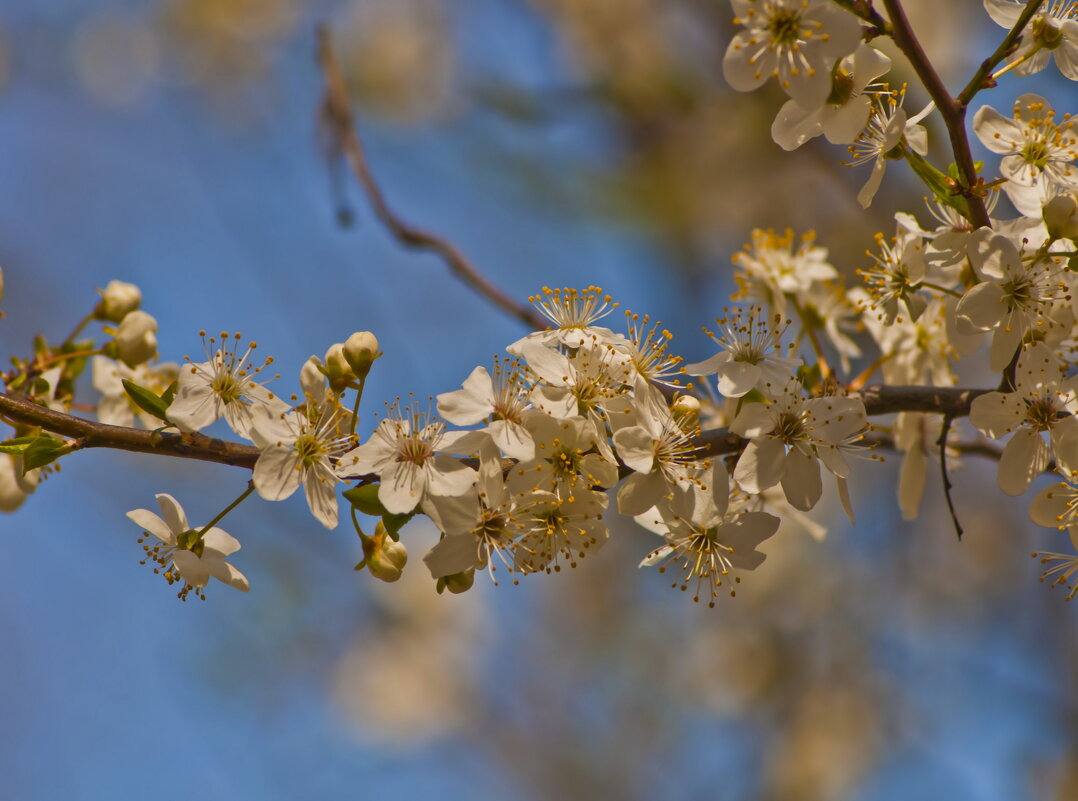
{"x": 169, "y": 394}
{"x": 365, "y": 499}
{"x": 393, "y": 523}
{"x": 146, "y": 400}
{"x": 42, "y": 451}
{"x": 16, "y": 446}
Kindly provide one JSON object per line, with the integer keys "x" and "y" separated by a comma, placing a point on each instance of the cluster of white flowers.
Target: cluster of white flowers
{"x": 579, "y": 411}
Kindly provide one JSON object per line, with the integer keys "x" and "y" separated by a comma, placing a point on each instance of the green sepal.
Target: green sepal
{"x": 940, "y": 184}
{"x": 41, "y": 345}
{"x": 146, "y": 400}
{"x": 17, "y": 446}
{"x": 394, "y": 523}
{"x": 952, "y": 169}
{"x": 42, "y": 451}
{"x": 365, "y": 499}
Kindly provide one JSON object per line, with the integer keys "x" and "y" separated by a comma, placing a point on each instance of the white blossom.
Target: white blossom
{"x": 192, "y": 561}
{"x": 223, "y": 385}
{"x": 843, "y": 113}
{"x": 403, "y": 451}
{"x": 1038, "y": 153}
{"x": 795, "y": 41}
{"x": 1053, "y": 31}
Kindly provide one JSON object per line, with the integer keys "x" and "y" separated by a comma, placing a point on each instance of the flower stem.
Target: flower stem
{"x": 806, "y": 326}
{"x": 62, "y": 357}
{"x": 243, "y": 496}
{"x": 355, "y": 406}
{"x": 89, "y": 318}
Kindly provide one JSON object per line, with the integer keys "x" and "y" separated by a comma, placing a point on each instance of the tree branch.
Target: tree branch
{"x": 337, "y": 115}
{"x": 953, "y": 112}
{"x": 951, "y": 401}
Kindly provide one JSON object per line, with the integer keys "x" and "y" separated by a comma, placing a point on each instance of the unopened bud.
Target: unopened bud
{"x": 457, "y": 583}
{"x": 686, "y": 410}
{"x": 1061, "y": 218}
{"x": 361, "y": 349}
{"x": 135, "y": 341}
{"x": 386, "y": 557}
{"x": 336, "y": 368}
{"x": 118, "y": 300}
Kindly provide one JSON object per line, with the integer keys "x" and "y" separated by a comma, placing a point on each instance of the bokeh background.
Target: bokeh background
{"x": 174, "y": 143}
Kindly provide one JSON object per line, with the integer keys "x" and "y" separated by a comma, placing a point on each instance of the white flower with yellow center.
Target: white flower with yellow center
{"x": 559, "y": 529}
{"x": 751, "y": 356}
{"x": 403, "y": 451}
{"x": 888, "y": 128}
{"x": 843, "y": 114}
{"x": 181, "y": 554}
{"x": 771, "y": 267}
{"x": 299, "y": 447}
{"x": 1043, "y": 402}
{"x": 787, "y": 436}
{"x": 503, "y": 398}
{"x": 223, "y": 385}
{"x": 1038, "y": 153}
{"x": 1015, "y": 297}
{"x": 795, "y": 41}
{"x": 573, "y": 313}
{"x": 708, "y": 538}
{"x": 1052, "y": 31}
{"x": 658, "y": 450}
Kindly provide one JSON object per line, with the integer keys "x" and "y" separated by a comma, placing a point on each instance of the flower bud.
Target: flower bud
{"x": 1061, "y": 218}
{"x": 135, "y": 341}
{"x": 686, "y": 411}
{"x": 457, "y": 583}
{"x": 361, "y": 349}
{"x": 118, "y": 299}
{"x": 387, "y": 561}
{"x": 383, "y": 556}
{"x": 336, "y": 368}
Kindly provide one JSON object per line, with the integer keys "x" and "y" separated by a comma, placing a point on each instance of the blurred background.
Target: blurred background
{"x": 174, "y": 144}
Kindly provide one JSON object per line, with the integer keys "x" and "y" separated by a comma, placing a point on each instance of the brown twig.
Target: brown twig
{"x": 337, "y": 115}
{"x": 953, "y": 112}
{"x": 947, "y": 486}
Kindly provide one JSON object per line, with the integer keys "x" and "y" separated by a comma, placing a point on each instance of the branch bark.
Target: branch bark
{"x": 952, "y": 401}
{"x": 953, "y": 112}
{"x": 337, "y": 115}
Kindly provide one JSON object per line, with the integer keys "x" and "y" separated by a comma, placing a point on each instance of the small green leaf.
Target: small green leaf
{"x": 393, "y": 523}
{"x": 365, "y": 499}
{"x": 42, "y": 451}
{"x": 169, "y": 394}
{"x": 146, "y": 400}
{"x": 16, "y": 446}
